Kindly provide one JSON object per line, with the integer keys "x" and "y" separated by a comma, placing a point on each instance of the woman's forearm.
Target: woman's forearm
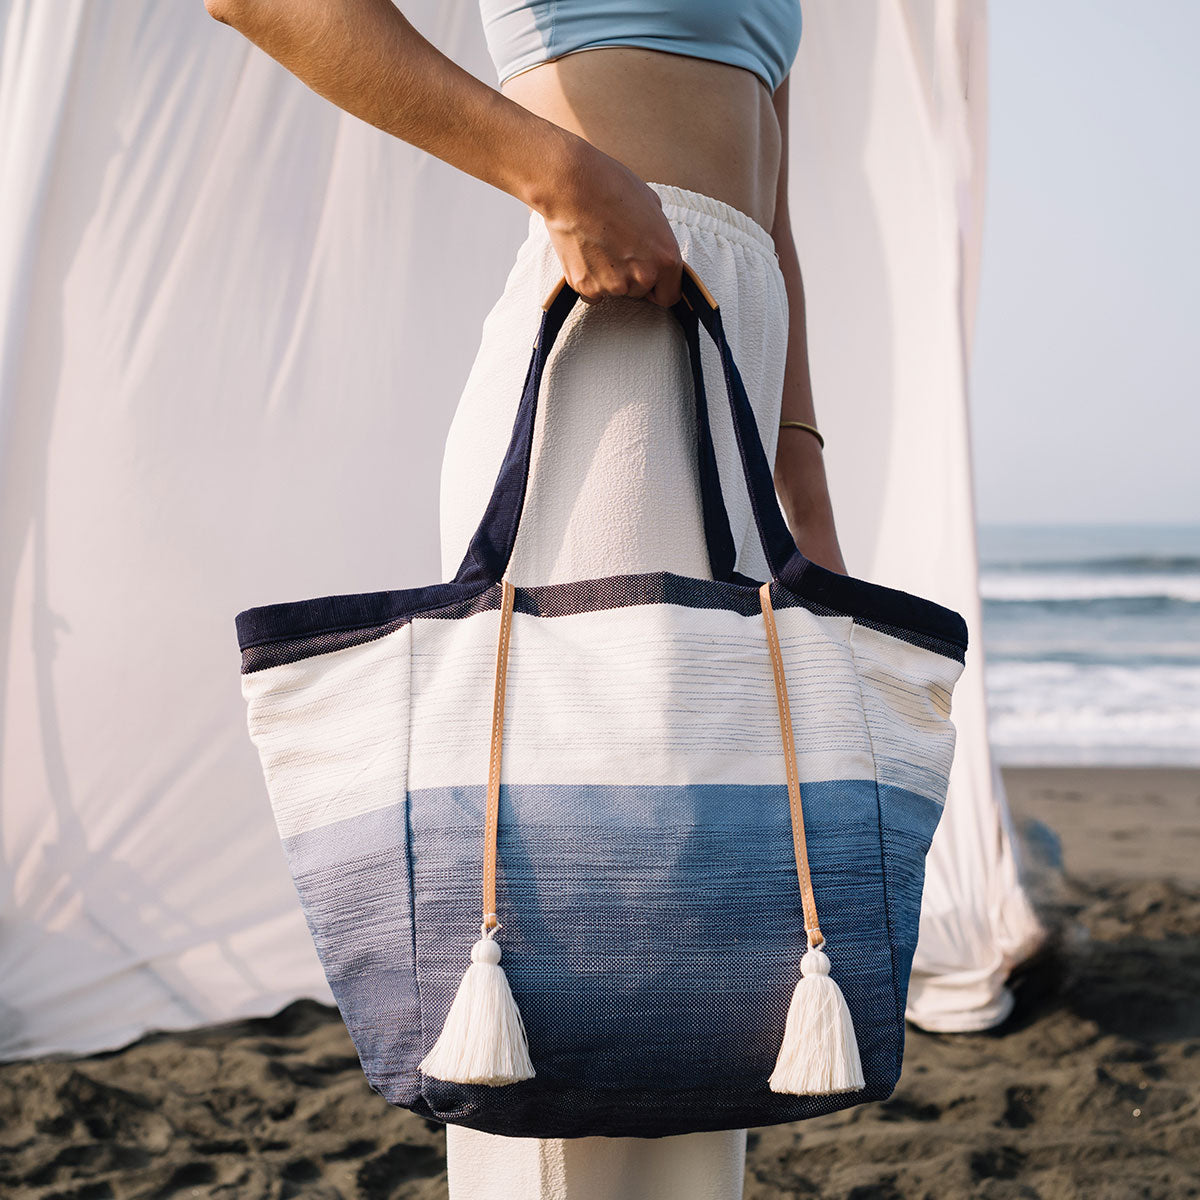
{"x": 365, "y": 57}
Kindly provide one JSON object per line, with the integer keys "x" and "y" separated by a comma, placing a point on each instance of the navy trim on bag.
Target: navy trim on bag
{"x": 364, "y": 616}
{"x": 568, "y": 599}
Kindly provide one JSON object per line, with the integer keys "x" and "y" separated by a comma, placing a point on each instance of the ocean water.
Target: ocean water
{"x": 1092, "y": 643}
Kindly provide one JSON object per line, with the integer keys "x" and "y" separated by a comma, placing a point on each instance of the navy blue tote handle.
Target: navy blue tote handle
{"x": 491, "y": 547}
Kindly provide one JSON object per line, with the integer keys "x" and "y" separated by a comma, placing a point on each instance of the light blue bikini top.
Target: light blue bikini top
{"x": 760, "y": 35}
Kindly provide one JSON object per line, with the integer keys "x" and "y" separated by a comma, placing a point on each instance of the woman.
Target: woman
{"x": 631, "y": 158}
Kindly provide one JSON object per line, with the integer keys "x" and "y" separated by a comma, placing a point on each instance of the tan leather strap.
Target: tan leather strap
{"x": 491, "y": 820}
{"x": 815, "y": 937}
{"x": 490, "y": 919}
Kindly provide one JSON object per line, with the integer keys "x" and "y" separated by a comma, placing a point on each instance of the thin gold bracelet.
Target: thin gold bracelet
{"x": 801, "y": 425}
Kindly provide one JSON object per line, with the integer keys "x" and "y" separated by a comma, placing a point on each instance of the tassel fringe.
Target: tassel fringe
{"x": 819, "y": 1054}
{"x": 483, "y": 1039}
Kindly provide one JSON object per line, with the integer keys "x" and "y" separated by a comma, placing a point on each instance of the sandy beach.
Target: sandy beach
{"x": 1090, "y": 1089}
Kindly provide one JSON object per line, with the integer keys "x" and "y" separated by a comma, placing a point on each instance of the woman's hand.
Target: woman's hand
{"x": 608, "y": 229}
{"x": 606, "y": 224}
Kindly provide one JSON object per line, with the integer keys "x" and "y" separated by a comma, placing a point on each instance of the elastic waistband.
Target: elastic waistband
{"x": 701, "y": 212}
{"x": 707, "y": 212}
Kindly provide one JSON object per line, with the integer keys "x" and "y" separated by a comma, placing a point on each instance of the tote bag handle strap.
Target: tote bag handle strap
{"x": 491, "y": 547}
{"x": 718, "y": 537}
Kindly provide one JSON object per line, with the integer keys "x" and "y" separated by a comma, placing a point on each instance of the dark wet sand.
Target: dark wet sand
{"x": 1091, "y": 1089}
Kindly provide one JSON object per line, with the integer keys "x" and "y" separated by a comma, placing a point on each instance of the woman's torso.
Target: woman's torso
{"x": 672, "y": 118}
{"x": 679, "y": 90}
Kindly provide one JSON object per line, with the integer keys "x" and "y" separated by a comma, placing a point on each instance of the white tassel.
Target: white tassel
{"x": 483, "y": 1039}
{"x": 819, "y": 1054}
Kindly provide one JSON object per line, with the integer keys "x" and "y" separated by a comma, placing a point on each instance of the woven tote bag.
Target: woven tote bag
{"x": 630, "y": 856}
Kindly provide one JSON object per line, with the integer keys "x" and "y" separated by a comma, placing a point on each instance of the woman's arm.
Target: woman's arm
{"x": 799, "y": 462}
{"x": 607, "y": 226}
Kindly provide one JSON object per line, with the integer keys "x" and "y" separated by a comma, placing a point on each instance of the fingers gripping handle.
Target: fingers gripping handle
{"x": 491, "y": 546}
{"x": 688, "y": 272}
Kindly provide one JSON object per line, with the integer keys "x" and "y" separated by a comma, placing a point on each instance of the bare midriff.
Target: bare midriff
{"x": 670, "y": 118}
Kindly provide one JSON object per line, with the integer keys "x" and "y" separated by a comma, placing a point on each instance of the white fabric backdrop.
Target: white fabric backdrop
{"x": 234, "y": 322}
{"x": 888, "y": 134}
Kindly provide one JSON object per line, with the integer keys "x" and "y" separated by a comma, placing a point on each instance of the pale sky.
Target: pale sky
{"x": 1086, "y": 371}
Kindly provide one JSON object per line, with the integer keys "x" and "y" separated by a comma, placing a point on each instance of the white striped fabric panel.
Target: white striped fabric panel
{"x": 906, "y": 696}
{"x": 642, "y": 695}
{"x": 332, "y": 731}
{"x": 659, "y": 694}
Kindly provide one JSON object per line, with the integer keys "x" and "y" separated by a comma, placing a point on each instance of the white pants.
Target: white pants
{"x": 613, "y": 489}
{"x": 690, "y": 1166}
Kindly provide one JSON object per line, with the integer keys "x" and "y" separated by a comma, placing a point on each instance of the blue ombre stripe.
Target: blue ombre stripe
{"x": 354, "y": 880}
{"x": 649, "y": 933}
{"x": 907, "y": 824}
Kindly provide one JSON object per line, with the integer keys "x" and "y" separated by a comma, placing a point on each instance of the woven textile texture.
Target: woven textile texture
{"x": 647, "y": 887}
